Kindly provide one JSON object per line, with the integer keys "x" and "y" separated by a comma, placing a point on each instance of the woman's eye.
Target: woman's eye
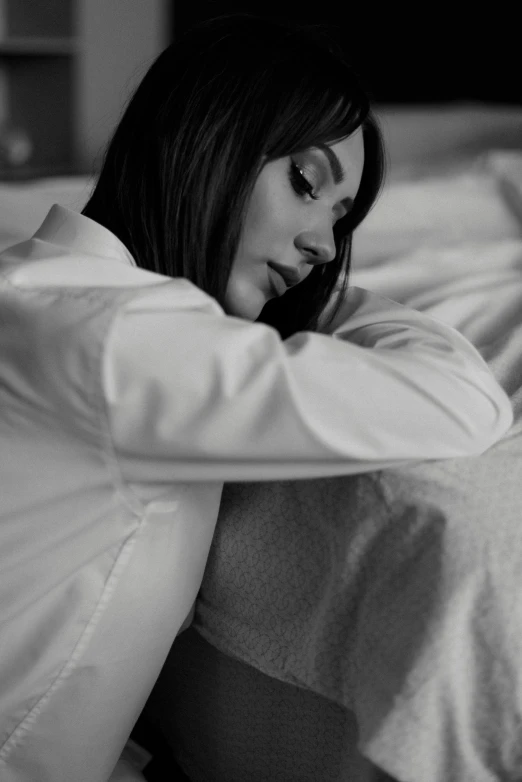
{"x": 300, "y": 183}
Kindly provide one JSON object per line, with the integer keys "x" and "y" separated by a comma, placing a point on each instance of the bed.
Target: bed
{"x": 373, "y": 620}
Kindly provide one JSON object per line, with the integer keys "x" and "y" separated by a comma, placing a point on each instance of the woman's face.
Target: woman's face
{"x": 295, "y": 204}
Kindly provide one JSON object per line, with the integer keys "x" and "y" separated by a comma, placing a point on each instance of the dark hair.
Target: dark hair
{"x": 178, "y": 173}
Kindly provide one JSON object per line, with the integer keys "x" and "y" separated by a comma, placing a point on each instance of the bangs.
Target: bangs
{"x": 313, "y": 118}
{"x": 324, "y": 103}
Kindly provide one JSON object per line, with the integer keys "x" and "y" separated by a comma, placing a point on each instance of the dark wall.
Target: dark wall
{"x": 435, "y": 54}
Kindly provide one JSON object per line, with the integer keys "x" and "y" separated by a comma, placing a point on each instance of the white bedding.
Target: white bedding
{"x": 450, "y": 245}
{"x": 394, "y": 594}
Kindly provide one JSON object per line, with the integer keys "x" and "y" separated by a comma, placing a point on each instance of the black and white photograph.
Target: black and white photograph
{"x": 260, "y": 392}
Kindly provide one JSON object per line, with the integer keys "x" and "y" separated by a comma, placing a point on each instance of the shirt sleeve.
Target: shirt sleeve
{"x": 195, "y": 395}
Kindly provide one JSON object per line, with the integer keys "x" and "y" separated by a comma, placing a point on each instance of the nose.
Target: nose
{"x": 316, "y": 247}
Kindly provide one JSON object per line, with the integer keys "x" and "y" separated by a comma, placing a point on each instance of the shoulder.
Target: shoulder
{"x": 59, "y": 311}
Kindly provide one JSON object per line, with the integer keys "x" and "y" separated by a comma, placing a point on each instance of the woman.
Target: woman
{"x": 163, "y": 342}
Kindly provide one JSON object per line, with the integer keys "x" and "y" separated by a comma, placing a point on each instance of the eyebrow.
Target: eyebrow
{"x": 335, "y": 164}
{"x": 337, "y": 170}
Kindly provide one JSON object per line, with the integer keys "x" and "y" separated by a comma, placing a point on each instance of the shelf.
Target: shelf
{"x": 66, "y": 69}
{"x": 30, "y": 173}
{"x": 36, "y": 46}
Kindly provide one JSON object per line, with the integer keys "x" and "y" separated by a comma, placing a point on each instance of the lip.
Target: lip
{"x": 277, "y": 282}
{"x": 290, "y": 275}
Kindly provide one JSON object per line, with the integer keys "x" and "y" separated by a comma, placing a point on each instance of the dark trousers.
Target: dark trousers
{"x": 163, "y": 766}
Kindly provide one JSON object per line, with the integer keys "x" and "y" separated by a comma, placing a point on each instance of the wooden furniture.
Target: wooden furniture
{"x": 66, "y": 69}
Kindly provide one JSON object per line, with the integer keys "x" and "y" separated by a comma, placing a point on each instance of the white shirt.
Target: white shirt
{"x": 126, "y": 399}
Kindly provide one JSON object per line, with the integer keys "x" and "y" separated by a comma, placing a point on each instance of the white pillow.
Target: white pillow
{"x": 475, "y": 201}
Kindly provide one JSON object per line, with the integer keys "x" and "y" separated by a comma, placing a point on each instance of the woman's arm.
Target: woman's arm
{"x": 193, "y": 395}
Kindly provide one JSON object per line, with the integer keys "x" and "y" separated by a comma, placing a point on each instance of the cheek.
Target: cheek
{"x": 268, "y": 220}
{"x": 258, "y": 218}
{"x": 244, "y": 297}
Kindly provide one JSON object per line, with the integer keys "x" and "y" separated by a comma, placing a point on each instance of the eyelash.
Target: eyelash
{"x": 300, "y": 183}
{"x": 302, "y": 186}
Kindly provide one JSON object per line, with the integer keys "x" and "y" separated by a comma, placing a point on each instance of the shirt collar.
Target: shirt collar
{"x": 77, "y": 232}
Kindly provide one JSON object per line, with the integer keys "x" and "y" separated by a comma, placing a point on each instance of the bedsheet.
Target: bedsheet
{"x": 396, "y": 594}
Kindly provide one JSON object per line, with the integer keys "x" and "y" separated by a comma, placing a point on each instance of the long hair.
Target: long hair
{"x": 233, "y": 93}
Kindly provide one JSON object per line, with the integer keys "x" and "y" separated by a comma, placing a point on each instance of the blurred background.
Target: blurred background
{"x": 66, "y": 69}
{"x": 68, "y": 66}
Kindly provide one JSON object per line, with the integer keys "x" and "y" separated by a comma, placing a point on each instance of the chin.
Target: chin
{"x": 245, "y": 300}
